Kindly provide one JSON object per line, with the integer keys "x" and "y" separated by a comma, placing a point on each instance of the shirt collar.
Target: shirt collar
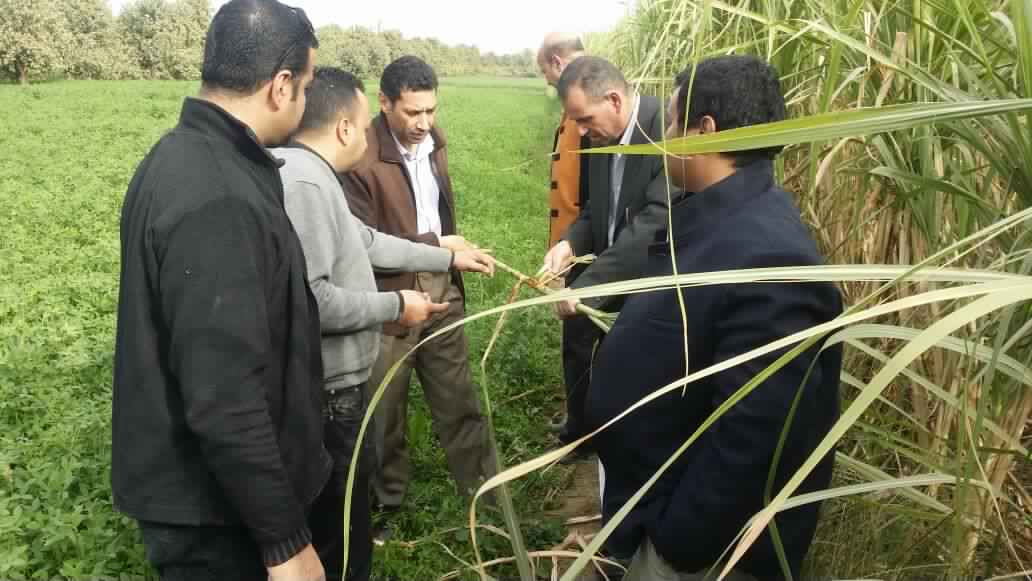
{"x": 632, "y": 123}
{"x": 382, "y": 140}
{"x": 423, "y": 150}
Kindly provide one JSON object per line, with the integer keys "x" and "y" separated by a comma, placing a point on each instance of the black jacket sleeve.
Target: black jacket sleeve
{"x": 579, "y": 233}
{"x": 212, "y": 274}
{"x": 627, "y": 257}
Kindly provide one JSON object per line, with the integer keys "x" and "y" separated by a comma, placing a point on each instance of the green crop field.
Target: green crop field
{"x": 69, "y": 149}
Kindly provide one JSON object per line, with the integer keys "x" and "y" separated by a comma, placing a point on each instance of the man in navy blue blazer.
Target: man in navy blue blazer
{"x": 731, "y": 214}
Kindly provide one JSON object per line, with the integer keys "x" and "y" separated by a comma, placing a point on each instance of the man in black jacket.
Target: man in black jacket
{"x": 217, "y": 425}
{"x": 733, "y": 216}
{"x": 626, "y": 204}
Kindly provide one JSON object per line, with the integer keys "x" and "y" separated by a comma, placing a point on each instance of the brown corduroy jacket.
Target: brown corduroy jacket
{"x": 379, "y": 192}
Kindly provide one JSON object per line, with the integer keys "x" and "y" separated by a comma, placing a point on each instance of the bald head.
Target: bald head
{"x": 557, "y": 50}
{"x": 562, "y": 44}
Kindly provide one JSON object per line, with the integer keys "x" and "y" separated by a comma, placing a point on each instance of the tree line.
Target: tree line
{"x": 164, "y": 39}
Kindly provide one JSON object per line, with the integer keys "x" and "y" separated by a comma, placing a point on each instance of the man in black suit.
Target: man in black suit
{"x": 626, "y": 205}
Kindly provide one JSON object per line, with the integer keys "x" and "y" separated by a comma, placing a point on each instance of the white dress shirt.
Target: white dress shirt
{"x": 424, "y": 184}
{"x": 617, "y": 169}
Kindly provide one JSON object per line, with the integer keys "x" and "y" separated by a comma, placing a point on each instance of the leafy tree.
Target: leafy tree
{"x": 184, "y": 37}
{"x": 95, "y": 49}
{"x": 331, "y": 37}
{"x": 140, "y": 23}
{"x": 165, "y": 38}
{"x": 379, "y": 54}
{"x": 34, "y": 34}
{"x": 395, "y": 43}
{"x": 363, "y": 52}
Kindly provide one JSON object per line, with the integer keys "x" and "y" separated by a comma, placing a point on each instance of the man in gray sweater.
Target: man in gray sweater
{"x": 342, "y": 253}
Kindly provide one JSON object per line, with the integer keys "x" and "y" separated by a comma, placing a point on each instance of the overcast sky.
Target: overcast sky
{"x": 491, "y": 25}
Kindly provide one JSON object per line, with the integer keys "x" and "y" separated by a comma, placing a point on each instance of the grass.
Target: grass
{"x": 70, "y": 149}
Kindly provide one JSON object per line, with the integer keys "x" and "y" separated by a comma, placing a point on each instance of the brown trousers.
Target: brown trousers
{"x": 442, "y": 366}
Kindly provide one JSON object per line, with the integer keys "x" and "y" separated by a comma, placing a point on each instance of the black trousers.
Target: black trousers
{"x": 580, "y": 336}
{"x": 343, "y": 418}
{"x": 202, "y": 553}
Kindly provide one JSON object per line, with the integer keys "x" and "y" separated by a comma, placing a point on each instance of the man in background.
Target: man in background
{"x": 557, "y": 50}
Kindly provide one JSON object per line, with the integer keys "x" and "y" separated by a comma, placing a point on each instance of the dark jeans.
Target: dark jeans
{"x": 580, "y": 336}
{"x": 344, "y": 410}
{"x": 202, "y": 553}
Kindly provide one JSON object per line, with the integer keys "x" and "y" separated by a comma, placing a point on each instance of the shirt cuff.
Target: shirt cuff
{"x": 282, "y": 551}
{"x": 401, "y": 305}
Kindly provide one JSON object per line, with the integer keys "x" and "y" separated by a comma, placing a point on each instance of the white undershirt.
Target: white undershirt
{"x": 617, "y": 169}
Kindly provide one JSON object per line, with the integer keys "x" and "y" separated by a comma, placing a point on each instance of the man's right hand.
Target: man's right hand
{"x": 455, "y": 243}
{"x": 304, "y": 566}
{"x": 474, "y": 261}
{"x": 418, "y": 308}
{"x": 558, "y": 256}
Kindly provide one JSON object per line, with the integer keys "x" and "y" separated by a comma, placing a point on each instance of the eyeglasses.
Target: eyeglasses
{"x": 307, "y": 30}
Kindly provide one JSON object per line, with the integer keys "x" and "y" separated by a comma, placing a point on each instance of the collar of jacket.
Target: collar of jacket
{"x": 203, "y": 116}
{"x": 389, "y": 150}
{"x": 706, "y": 209}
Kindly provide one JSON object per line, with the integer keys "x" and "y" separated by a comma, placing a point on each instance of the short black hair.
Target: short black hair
{"x": 407, "y": 73}
{"x": 736, "y": 91}
{"x": 332, "y": 92}
{"x": 594, "y": 75}
{"x": 250, "y": 41}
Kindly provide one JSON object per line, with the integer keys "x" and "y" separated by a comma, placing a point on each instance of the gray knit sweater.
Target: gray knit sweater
{"x": 341, "y": 253}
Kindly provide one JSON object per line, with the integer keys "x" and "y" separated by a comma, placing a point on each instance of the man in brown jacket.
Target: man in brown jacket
{"x": 401, "y": 187}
